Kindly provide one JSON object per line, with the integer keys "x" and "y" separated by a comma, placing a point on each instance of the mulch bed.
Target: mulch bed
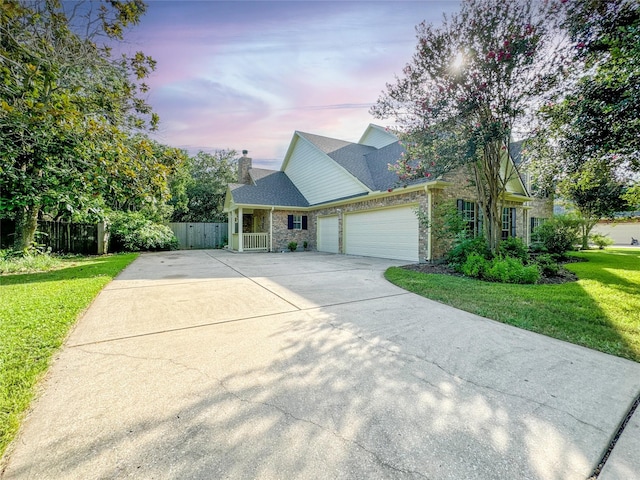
{"x": 563, "y": 276}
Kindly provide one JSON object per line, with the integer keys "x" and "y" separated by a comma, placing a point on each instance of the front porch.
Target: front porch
{"x": 255, "y": 234}
{"x": 255, "y": 242}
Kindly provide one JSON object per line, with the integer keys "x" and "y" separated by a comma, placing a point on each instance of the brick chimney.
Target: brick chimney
{"x": 244, "y": 165}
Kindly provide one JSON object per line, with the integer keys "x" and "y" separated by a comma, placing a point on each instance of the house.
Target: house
{"x": 341, "y": 197}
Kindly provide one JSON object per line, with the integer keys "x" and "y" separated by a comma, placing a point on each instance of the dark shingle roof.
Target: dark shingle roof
{"x": 515, "y": 150}
{"x": 378, "y": 162}
{"x": 270, "y": 187}
{"x": 368, "y": 164}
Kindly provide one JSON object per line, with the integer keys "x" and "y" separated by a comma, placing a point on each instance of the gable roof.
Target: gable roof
{"x": 366, "y": 164}
{"x": 270, "y": 187}
{"x": 350, "y": 156}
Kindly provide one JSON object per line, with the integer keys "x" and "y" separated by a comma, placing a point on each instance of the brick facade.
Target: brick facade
{"x": 458, "y": 186}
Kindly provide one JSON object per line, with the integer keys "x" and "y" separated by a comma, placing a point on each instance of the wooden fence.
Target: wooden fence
{"x": 200, "y": 235}
{"x": 82, "y": 238}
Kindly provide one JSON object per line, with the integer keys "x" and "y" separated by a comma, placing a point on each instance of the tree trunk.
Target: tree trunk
{"x": 586, "y": 227}
{"x": 490, "y": 187}
{"x": 26, "y": 225}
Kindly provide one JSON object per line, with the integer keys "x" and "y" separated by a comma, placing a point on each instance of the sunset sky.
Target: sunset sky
{"x": 247, "y": 74}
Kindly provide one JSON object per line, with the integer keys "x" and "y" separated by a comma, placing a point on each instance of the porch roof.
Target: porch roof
{"x": 270, "y": 188}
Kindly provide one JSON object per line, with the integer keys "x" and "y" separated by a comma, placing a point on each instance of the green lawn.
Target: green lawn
{"x": 36, "y": 312}
{"x": 600, "y": 311}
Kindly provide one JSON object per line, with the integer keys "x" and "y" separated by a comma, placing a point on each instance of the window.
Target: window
{"x": 535, "y": 222}
{"x": 508, "y": 222}
{"x": 297, "y": 222}
{"x": 472, "y": 216}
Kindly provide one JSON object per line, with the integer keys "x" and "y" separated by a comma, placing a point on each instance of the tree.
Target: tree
{"x": 595, "y": 193}
{"x": 210, "y": 175}
{"x": 468, "y": 83}
{"x": 588, "y": 142}
{"x": 606, "y": 98}
{"x": 67, "y": 106}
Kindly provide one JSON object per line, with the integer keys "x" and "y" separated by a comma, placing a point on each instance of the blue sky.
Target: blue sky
{"x": 247, "y": 74}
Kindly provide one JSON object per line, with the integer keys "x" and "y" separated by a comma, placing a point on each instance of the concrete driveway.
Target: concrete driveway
{"x": 210, "y": 365}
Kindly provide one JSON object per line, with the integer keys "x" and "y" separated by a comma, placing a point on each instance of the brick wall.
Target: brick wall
{"x": 282, "y": 235}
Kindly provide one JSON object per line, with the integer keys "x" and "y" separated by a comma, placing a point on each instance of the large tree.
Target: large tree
{"x": 588, "y": 142}
{"x": 471, "y": 79}
{"x": 206, "y": 189}
{"x": 68, "y": 106}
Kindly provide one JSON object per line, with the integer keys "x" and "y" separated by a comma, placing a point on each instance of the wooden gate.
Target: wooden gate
{"x": 200, "y": 235}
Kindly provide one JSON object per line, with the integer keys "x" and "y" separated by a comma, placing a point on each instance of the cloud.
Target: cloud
{"x": 247, "y": 74}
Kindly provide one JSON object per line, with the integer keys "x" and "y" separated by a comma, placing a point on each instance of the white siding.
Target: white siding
{"x": 328, "y": 234}
{"x": 389, "y": 233}
{"x": 318, "y": 177}
{"x": 620, "y": 233}
{"x": 377, "y": 137}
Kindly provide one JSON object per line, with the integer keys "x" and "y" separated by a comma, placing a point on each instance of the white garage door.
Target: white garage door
{"x": 390, "y": 233}
{"x": 328, "y": 234}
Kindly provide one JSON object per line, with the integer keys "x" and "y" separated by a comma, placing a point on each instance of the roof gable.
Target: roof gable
{"x": 318, "y": 176}
{"x": 376, "y": 136}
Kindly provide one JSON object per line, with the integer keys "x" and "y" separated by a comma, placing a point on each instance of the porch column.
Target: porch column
{"x": 240, "y": 222}
{"x": 230, "y": 230}
{"x": 271, "y": 230}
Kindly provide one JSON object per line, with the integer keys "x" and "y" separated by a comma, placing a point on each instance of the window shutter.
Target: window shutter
{"x": 479, "y": 220}
{"x": 532, "y": 221}
{"x": 460, "y": 204}
{"x": 513, "y": 222}
{"x": 304, "y": 222}
{"x": 290, "y": 222}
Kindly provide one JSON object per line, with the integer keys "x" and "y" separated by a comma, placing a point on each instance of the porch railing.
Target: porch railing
{"x": 255, "y": 241}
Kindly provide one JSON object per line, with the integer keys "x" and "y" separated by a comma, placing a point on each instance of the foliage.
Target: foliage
{"x": 132, "y": 231}
{"x": 446, "y": 223}
{"x": 588, "y": 141}
{"x": 67, "y": 109}
{"x": 547, "y": 264}
{"x": 604, "y": 102}
{"x": 292, "y": 246}
{"x": 36, "y": 312}
{"x": 600, "y": 311}
{"x": 209, "y": 175}
{"x": 305, "y": 244}
{"x": 475, "y": 265}
{"x": 511, "y": 270}
{"x": 470, "y": 80}
{"x": 462, "y": 249}
{"x": 499, "y": 269}
{"x": 558, "y": 235}
{"x": 514, "y": 248}
{"x": 601, "y": 240}
{"x": 632, "y": 196}
{"x": 10, "y": 262}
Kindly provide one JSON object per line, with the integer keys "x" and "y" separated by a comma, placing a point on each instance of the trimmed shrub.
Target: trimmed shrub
{"x": 133, "y": 232}
{"x": 511, "y": 270}
{"x": 513, "y": 247}
{"x": 601, "y": 240}
{"x": 458, "y": 255}
{"x": 475, "y": 266}
{"x": 292, "y": 246}
{"x": 558, "y": 235}
{"x": 548, "y": 265}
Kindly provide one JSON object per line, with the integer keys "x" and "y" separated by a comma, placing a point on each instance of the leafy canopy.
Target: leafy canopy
{"x": 470, "y": 80}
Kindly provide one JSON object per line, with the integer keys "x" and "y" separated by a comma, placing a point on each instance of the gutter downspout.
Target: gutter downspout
{"x": 429, "y": 207}
{"x": 240, "y": 230}
{"x": 271, "y": 229}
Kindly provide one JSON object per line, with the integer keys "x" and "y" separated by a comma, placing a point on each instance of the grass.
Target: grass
{"x": 36, "y": 313}
{"x": 29, "y": 263}
{"x": 600, "y": 311}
